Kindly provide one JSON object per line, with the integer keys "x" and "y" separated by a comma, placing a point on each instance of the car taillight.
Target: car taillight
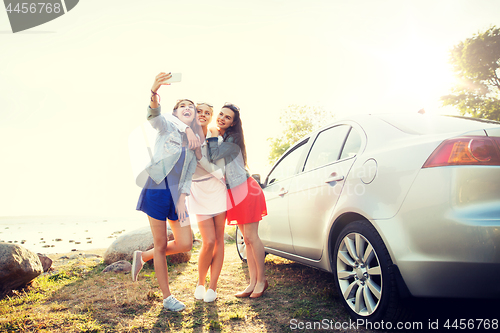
{"x": 467, "y": 150}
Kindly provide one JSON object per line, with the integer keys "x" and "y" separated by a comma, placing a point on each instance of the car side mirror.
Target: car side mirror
{"x": 257, "y": 179}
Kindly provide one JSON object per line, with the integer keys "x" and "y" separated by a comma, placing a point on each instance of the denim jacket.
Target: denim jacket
{"x": 236, "y": 173}
{"x": 167, "y": 150}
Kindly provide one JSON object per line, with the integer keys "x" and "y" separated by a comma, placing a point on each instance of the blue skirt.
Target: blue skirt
{"x": 158, "y": 200}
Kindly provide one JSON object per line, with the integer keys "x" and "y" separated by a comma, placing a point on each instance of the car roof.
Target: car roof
{"x": 437, "y": 124}
{"x": 422, "y": 124}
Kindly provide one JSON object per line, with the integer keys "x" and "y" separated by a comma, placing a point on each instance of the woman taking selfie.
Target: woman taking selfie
{"x": 168, "y": 183}
{"x": 208, "y": 202}
{"x": 246, "y": 203}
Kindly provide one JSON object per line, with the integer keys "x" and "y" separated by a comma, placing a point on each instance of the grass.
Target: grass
{"x": 79, "y": 298}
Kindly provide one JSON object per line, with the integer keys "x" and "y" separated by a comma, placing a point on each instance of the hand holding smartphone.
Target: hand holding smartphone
{"x": 176, "y": 77}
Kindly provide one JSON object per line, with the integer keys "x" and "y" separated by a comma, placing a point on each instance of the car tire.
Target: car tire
{"x": 240, "y": 245}
{"x": 364, "y": 279}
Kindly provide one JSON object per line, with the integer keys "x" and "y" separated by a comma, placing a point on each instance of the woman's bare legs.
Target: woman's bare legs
{"x": 255, "y": 257}
{"x": 212, "y": 249}
{"x": 183, "y": 242}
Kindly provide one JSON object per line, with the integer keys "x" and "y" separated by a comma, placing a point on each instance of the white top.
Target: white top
{"x": 205, "y": 169}
{"x": 208, "y": 189}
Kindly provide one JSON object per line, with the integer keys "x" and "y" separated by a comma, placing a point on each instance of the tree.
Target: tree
{"x": 476, "y": 63}
{"x": 298, "y": 121}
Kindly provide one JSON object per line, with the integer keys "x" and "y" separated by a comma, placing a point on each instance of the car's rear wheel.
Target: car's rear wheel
{"x": 240, "y": 245}
{"x": 362, "y": 272}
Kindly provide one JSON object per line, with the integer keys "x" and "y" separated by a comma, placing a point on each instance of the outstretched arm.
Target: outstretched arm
{"x": 161, "y": 80}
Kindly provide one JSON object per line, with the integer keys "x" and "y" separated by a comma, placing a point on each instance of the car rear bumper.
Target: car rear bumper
{"x": 445, "y": 239}
{"x": 451, "y": 279}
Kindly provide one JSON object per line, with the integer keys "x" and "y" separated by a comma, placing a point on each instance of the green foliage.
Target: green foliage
{"x": 476, "y": 63}
{"x": 298, "y": 121}
{"x": 59, "y": 276}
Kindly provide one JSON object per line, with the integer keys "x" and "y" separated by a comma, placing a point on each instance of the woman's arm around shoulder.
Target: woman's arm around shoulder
{"x": 214, "y": 132}
{"x": 229, "y": 148}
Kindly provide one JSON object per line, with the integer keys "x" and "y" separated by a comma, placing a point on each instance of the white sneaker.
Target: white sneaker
{"x": 171, "y": 304}
{"x": 137, "y": 264}
{"x": 210, "y": 296}
{"x": 199, "y": 292}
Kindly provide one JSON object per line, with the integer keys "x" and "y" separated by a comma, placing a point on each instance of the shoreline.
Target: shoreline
{"x": 69, "y": 234}
{"x": 58, "y": 255}
{"x": 63, "y": 258}
{"x": 66, "y": 234}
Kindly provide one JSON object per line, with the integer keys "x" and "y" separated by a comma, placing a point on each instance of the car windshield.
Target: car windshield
{"x": 428, "y": 124}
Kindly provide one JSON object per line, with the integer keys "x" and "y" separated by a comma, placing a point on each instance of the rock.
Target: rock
{"x": 140, "y": 239}
{"x": 179, "y": 257}
{"x": 46, "y": 262}
{"x": 18, "y": 266}
{"x": 91, "y": 255}
{"x": 121, "y": 266}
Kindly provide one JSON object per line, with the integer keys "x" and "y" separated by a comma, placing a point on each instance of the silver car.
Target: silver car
{"x": 393, "y": 206}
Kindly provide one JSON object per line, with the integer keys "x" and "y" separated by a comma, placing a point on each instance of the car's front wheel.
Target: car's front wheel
{"x": 362, "y": 274}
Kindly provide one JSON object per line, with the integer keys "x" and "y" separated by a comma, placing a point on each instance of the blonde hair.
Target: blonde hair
{"x": 210, "y": 106}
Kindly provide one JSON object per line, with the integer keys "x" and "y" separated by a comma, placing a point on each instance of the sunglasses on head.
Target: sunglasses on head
{"x": 231, "y": 106}
{"x": 204, "y": 103}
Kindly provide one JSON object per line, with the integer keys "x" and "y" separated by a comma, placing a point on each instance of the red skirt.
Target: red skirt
{"x": 245, "y": 203}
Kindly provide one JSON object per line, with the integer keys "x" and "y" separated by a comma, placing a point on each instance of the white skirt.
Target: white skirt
{"x": 208, "y": 197}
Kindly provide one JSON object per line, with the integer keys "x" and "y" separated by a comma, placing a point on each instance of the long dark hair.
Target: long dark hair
{"x": 195, "y": 126}
{"x": 236, "y": 130}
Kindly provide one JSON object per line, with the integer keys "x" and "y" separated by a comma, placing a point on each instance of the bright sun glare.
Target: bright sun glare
{"x": 420, "y": 69}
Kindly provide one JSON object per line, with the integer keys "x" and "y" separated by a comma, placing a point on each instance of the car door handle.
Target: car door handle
{"x": 334, "y": 177}
{"x": 282, "y": 192}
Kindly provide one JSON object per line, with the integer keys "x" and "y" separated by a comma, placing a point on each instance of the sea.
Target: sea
{"x": 62, "y": 234}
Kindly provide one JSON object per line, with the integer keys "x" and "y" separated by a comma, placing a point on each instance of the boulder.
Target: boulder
{"x": 121, "y": 266}
{"x": 46, "y": 262}
{"x": 18, "y": 266}
{"x": 140, "y": 239}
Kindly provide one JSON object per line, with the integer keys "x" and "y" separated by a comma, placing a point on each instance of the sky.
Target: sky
{"x": 74, "y": 91}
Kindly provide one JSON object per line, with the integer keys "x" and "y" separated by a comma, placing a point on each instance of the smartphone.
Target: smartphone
{"x": 176, "y": 77}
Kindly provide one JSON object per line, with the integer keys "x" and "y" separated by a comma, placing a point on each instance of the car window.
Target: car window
{"x": 352, "y": 144}
{"x": 287, "y": 167}
{"x": 326, "y": 147}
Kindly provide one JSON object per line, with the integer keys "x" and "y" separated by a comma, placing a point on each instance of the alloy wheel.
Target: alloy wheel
{"x": 359, "y": 274}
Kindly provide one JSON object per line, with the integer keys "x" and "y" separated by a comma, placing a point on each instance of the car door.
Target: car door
{"x": 314, "y": 192}
{"x": 274, "y": 229}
